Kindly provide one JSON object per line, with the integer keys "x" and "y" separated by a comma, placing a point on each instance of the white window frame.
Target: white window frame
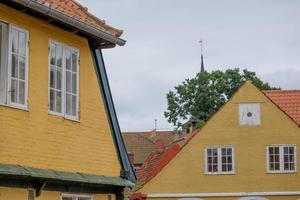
{"x": 63, "y": 113}
{"x": 219, "y": 149}
{"x": 76, "y": 196}
{"x": 17, "y": 105}
{"x": 281, "y": 158}
{"x": 7, "y": 101}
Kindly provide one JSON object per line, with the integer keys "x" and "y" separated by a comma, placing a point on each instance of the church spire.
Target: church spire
{"x": 202, "y": 62}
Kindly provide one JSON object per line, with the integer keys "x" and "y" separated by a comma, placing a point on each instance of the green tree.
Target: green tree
{"x": 199, "y": 98}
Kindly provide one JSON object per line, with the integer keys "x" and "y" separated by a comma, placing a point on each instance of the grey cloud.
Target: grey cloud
{"x": 162, "y": 47}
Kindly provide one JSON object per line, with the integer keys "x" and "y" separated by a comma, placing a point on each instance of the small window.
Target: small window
{"x": 219, "y": 160}
{"x": 63, "y": 80}
{"x": 249, "y": 114}
{"x": 281, "y": 158}
{"x": 13, "y": 66}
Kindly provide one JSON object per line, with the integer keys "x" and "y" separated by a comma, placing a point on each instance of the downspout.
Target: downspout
{"x": 127, "y": 171}
{"x": 71, "y": 21}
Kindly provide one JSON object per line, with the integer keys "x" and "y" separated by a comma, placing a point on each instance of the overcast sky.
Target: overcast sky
{"x": 162, "y": 48}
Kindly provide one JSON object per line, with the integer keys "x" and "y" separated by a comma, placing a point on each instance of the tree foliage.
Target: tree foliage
{"x": 200, "y": 97}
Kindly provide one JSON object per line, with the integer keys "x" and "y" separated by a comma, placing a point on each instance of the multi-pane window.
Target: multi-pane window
{"x": 281, "y": 158}
{"x": 75, "y": 197}
{"x": 13, "y": 66}
{"x": 219, "y": 160}
{"x": 63, "y": 86}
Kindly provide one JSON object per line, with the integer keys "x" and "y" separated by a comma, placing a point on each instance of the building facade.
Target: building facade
{"x": 246, "y": 151}
{"x": 60, "y": 137}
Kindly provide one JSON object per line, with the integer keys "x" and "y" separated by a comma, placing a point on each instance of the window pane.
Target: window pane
{"x": 68, "y": 81}
{"x": 270, "y": 150}
{"x": 52, "y": 100}
{"x": 15, "y": 44}
{"x": 215, "y": 168}
{"x": 58, "y": 79}
{"x": 68, "y": 59}
{"x": 58, "y": 102}
{"x": 21, "y": 92}
{"x": 22, "y": 68}
{"x": 74, "y": 61}
{"x": 277, "y": 166}
{"x": 215, "y": 152}
{"x": 73, "y": 105}
{"x": 276, "y": 150}
{"x": 292, "y": 166}
{"x": 52, "y": 54}
{"x": 14, "y": 66}
{"x": 22, "y": 43}
{"x": 286, "y": 166}
{"x": 13, "y": 91}
{"x": 229, "y": 159}
{"x": 68, "y": 104}
{"x": 208, "y": 152}
{"x": 224, "y": 168}
{"x": 52, "y": 77}
{"x": 229, "y": 151}
{"x": 229, "y": 167}
{"x": 59, "y": 55}
{"x": 74, "y": 83}
{"x": 291, "y": 150}
{"x": 285, "y": 150}
{"x": 223, "y": 151}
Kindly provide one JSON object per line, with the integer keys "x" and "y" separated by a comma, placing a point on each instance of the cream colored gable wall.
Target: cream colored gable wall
{"x": 185, "y": 172}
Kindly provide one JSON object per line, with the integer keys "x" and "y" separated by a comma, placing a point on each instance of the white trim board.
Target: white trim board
{"x": 225, "y": 194}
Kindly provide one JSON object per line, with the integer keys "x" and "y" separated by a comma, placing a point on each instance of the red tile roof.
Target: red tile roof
{"x": 288, "y": 101}
{"x": 79, "y": 12}
{"x": 157, "y": 160}
{"x": 141, "y": 144}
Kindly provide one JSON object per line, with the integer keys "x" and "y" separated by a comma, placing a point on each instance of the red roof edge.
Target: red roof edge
{"x": 170, "y": 153}
{"x": 280, "y": 108}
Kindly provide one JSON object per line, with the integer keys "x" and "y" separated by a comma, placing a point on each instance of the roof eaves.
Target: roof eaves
{"x": 71, "y": 21}
{"x": 49, "y": 174}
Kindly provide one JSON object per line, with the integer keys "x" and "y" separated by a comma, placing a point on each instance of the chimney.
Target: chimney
{"x": 160, "y": 146}
{"x": 131, "y": 158}
{"x": 194, "y": 126}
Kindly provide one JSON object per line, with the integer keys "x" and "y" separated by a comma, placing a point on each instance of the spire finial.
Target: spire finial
{"x": 202, "y": 62}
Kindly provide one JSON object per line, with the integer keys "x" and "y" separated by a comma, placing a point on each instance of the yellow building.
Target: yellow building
{"x": 60, "y": 137}
{"x": 246, "y": 151}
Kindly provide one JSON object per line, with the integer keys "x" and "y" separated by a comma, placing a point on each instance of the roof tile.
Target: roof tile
{"x": 288, "y": 101}
{"x": 73, "y": 9}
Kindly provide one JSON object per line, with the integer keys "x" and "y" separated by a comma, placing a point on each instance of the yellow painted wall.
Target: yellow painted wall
{"x": 38, "y": 139}
{"x": 22, "y": 194}
{"x": 185, "y": 173}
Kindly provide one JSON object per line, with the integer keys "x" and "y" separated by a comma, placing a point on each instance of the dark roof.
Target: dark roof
{"x": 36, "y": 173}
{"x": 288, "y": 101}
{"x": 141, "y": 144}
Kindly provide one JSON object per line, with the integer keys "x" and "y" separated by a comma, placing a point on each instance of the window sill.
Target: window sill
{"x": 15, "y": 107}
{"x": 220, "y": 173}
{"x": 63, "y": 117}
{"x": 281, "y": 172}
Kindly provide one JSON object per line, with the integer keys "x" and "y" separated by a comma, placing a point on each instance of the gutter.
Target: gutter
{"x": 71, "y": 21}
